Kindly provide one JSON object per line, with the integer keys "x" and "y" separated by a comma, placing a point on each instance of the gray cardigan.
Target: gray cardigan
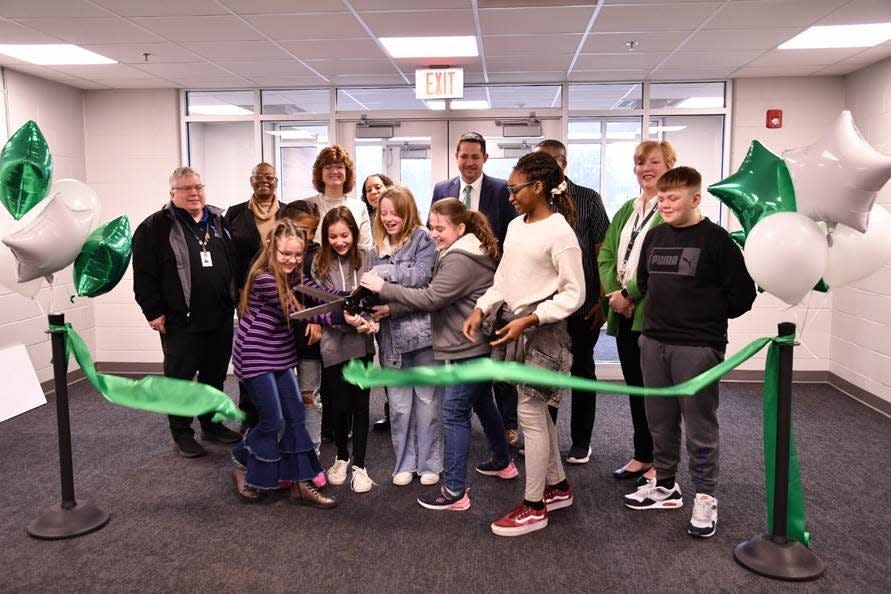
{"x": 462, "y": 273}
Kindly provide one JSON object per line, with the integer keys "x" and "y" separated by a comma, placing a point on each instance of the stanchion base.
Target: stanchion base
{"x": 791, "y": 561}
{"x": 55, "y": 522}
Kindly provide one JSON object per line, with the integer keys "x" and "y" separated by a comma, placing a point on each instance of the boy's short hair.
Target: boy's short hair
{"x": 297, "y": 209}
{"x": 680, "y": 177}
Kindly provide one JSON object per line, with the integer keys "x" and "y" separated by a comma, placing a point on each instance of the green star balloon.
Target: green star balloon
{"x": 103, "y": 259}
{"x": 760, "y": 187}
{"x": 26, "y": 170}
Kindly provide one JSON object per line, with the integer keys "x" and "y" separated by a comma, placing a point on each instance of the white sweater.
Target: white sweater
{"x": 358, "y": 210}
{"x": 542, "y": 261}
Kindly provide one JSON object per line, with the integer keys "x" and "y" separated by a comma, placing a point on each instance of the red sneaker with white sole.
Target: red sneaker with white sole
{"x": 521, "y": 520}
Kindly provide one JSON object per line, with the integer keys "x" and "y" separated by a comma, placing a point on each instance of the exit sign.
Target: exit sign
{"x": 439, "y": 83}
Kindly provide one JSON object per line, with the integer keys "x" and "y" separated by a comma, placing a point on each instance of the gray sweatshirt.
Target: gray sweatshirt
{"x": 462, "y": 273}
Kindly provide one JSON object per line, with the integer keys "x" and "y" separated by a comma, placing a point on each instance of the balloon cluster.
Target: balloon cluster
{"x": 54, "y": 224}
{"x": 811, "y": 214}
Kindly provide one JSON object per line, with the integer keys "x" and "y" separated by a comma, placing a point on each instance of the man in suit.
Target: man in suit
{"x": 478, "y": 191}
{"x": 488, "y": 195}
{"x": 583, "y": 325}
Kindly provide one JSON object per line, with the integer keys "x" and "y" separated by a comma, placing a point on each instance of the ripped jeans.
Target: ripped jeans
{"x": 416, "y": 420}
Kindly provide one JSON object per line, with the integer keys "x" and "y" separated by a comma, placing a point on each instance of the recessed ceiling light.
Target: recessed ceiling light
{"x": 54, "y": 54}
{"x": 431, "y": 47}
{"x": 701, "y": 102}
{"x": 835, "y": 36}
{"x": 219, "y": 109}
{"x": 469, "y": 104}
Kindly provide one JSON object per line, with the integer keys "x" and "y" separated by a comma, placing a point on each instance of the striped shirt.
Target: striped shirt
{"x": 264, "y": 342}
{"x": 590, "y": 228}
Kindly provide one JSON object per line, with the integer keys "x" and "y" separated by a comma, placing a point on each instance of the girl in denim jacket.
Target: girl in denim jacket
{"x": 404, "y": 254}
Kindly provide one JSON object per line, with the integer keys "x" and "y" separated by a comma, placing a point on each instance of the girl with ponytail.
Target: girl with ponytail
{"x": 468, "y": 252}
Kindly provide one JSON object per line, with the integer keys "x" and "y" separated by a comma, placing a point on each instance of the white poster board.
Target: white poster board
{"x": 21, "y": 390}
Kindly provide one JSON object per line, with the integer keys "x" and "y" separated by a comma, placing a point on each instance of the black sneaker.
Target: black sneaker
{"x": 219, "y": 433}
{"x": 187, "y": 447}
{"x": 578, "y": 455}
{"x": 441, "y": 499}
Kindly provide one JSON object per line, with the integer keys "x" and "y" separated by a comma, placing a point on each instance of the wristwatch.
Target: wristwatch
{"x": 624, "y": 293}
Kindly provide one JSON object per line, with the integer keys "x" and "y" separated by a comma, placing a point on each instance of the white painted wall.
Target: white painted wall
{"x": 58, "y": 110}
{"x": 860, "y": 347}
{"x": 132, "y": 146}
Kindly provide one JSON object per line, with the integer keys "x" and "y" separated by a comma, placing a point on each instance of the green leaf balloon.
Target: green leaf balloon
{"x": 104, "y": 258}
{"x": 26, "y": 170}
{"x": 760, "y": 187}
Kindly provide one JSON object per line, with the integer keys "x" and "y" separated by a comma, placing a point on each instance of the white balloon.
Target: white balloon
{"x": 79, "y": 197}
{"x": 9, "y": 275}
{"x": 786, "y": 254}
{"x": 854, "y": 255}
{"x": 49, "y": 240}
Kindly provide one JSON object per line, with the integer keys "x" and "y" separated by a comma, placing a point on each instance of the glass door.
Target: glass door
{"x": 503, "y": 150}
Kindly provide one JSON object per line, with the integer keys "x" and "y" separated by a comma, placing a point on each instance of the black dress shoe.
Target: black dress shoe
{"x": 187, "y": 447}
{"x": 219, "y": 433}
{"x": 382, "y": 425}
{"x": 623, "y": 473}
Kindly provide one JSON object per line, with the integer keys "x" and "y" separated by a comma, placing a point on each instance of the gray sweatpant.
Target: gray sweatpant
{"x": 667, "y": 365}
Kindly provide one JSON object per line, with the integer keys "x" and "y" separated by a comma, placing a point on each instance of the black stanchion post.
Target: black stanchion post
{"x": 70, "y": 518}
{"x": 774, "y": 555}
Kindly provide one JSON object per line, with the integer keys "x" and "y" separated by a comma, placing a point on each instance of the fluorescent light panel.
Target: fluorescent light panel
{"x": 53, "y": 54}
{"x": 431, "y": 47}
{"x": 836, "y": 36}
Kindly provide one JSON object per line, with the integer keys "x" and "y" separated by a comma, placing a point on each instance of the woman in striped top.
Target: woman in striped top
{"x": 264, "y": 357}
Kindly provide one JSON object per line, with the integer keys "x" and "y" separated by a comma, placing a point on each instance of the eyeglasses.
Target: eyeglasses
{"x": 196, "y": 188}
{"x": 513, "y": 189}
{"x": 336, "y": 167}
{"x": 289, "y": 257}
{"x": 264, "y": 176}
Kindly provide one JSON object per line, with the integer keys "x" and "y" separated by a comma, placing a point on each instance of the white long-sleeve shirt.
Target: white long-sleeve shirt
{"x": 542, "y": 262}
{"x": 358, "y": 210}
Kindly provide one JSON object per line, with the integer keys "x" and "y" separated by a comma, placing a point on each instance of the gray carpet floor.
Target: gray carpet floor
{"x": 176, "y": 525}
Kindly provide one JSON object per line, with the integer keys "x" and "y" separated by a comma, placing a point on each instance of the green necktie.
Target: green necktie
{"x": 467, "y": 190}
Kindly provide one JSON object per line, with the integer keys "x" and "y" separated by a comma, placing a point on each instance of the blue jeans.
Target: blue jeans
{"x": 416, "y": 421}
{"x": 268, "y": 457}
{"x": 457, "y": 404}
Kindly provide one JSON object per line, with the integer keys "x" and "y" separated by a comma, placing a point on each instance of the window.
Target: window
{"x": 292, "y": 147}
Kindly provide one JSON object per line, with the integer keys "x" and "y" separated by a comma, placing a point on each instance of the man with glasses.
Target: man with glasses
{"x": 183, "y": 262}
{"x": 487, "y": 195}
{"x": 583, "y": 325}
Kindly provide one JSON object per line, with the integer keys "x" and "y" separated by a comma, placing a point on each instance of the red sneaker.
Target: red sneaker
{"x": 521, "y": 520}
{"x": 554, "y": 498}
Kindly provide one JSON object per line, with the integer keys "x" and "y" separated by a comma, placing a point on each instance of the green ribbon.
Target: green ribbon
{"x": 483, "y": 370}
{"x": 152, "y": 393}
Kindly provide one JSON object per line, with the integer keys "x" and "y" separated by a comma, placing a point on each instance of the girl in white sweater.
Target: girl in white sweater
{"x": 538, "y": 284}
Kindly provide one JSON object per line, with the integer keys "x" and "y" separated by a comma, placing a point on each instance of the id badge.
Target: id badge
{"x": 206, "y": 260}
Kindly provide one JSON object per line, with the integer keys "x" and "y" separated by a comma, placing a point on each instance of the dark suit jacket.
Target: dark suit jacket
{"x": 493, "y": 201}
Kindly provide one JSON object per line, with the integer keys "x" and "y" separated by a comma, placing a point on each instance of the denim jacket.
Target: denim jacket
{"x": 410, "y": 266}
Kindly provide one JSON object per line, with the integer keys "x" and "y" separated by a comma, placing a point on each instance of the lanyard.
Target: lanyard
{"x": 201, "y": 243}
{"x": 635, "y": 231}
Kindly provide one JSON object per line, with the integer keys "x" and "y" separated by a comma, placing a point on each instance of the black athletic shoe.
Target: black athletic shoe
{"x": 187, "y": 447}
{"x": 219, "y": 433}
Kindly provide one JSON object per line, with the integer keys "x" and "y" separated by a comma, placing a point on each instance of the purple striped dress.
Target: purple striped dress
{"x": 264, "y": 342}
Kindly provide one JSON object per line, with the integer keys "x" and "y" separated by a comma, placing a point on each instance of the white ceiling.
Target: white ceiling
{"x": 219, "y": 44}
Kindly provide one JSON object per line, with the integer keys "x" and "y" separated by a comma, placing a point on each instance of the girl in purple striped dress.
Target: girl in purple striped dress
{"x": 264, "y": 357}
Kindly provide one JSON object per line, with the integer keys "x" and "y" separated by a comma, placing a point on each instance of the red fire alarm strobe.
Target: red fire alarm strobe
{"x": 774, "y": 118}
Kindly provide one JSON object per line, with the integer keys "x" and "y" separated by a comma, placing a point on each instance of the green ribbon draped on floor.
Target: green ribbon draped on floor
{"x": 152, "y": 393}
{"x": 483, "y": 370}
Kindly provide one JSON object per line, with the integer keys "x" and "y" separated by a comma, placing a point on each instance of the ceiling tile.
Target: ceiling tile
{"x": 716, "y": 59}
{"x": 309, "y": 26}
{"x": 107, "y": 30}
{"x": 526, "y": 63}
{"x": 837, "y": 70}
{"x": 354, "y": 66}
{"x": 284, "y": 79}
{"x": 363, "y": 79}
{"x": 870, "y": 55}
{"x": 132, "y": 53}
{"x": 752, "y": 14}
{"x": 607, "y": 75}
{"x": 690, "y": 74}
{"x": 654, "y": 41}
{"x": 419, "y": 23}
{"x": 195, "y": 73}
{"x": 808, "y": 57}
{"x": 657, "y": 17}
{"x": 768, "y": 71}
{"x": 362, "y": 5}
{"x": 137, "y": 83}
{"x": 535, "y": 21}
{"x": 344, "y": 48}
{"x": 859, "y": 11}
{"x": 738, "y": 40}
{"x": 517, "y": 45}
{"x": 138, "y": 8}
{"x": 29, "y": 9}
{"x": 266, "y": 68}
{"x": 628, "y": 60}
{"x": 237, "y": 50}
{"x": 13, "y": 33}
{"x": 200, "y": 28}
{"x": 537, "y": 76}
{"x": 256, "y": 7}
{"x": 103, "y": 71}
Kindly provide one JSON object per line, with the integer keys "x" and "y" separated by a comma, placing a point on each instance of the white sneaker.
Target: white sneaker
{"x": 704, "y": 521}
{"x": 429, "y": 479}
{"x": 403, "y": 478}
{"x": 337, "y": 473}
{"x": 650, "y": 496}
{"x": 361, "y": 483}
